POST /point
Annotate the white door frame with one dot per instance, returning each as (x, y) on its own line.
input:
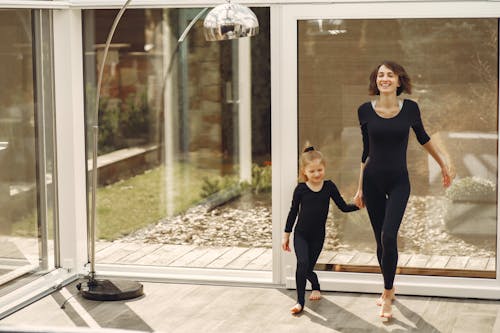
(286, 137)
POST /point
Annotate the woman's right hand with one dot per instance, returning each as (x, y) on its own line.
(358, 199)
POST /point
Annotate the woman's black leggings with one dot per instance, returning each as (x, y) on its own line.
(307, 252)
(385, 195)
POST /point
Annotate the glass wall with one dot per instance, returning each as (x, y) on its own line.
(26, 147)
(184, 167)
(453, 64)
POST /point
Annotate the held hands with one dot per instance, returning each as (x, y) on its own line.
(358, 199)
(285, 244)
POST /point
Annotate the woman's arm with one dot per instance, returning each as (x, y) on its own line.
(447, 170)
(285, 242)
(358, 197)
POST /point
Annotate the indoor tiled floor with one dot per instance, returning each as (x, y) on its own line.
(168, 307)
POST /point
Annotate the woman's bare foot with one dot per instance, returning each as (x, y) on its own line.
(387, 293)
(386, 309)
(296, 309)
(315, 295)
(386, 304)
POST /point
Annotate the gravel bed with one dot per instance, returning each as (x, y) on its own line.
(246, 222)
(243, 223)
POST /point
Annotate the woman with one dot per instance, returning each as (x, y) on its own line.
(384, 186)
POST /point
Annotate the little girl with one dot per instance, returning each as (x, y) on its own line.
(311, 201)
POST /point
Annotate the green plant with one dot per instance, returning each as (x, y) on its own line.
(135, 116)
(472, 189)
(209, 187)
(261, 182)
(261, 178)
(110, 137)
(213, 185)
(118, 119)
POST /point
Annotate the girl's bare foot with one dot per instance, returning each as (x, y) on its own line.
(296, 309)
(315, 295)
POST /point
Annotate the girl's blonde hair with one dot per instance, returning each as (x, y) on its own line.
(308, 155)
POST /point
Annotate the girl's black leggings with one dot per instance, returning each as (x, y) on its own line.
(385, 195)
(307, 251)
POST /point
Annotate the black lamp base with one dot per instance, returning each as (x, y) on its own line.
(110, 290)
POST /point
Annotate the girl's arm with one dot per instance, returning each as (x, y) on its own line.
(358, 197)
(447, 171)
(339, 201)
(294, 209)
(292, 216)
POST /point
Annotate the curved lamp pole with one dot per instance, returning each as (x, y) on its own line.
(223, 22)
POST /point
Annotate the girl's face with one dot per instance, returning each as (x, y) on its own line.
(315, 171)
(387, 80)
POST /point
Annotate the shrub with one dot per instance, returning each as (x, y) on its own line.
(110, 137)
(472, 189)
(135, 117)
(119, 121)
(261, 182)
(215, 185)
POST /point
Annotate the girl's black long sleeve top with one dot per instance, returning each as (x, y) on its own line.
(312, 208)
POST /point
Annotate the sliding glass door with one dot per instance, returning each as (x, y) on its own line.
(446, 234)
(452, 232)
(184, 144)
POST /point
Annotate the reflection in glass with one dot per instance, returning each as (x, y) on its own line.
(450, 232)
(26, 223)
(184, 151)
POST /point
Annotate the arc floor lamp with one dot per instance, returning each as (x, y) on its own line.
(224, 22)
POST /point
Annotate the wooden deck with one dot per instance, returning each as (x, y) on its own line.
(412, 264)
(16, 252)
(184, 256)
(261, 259)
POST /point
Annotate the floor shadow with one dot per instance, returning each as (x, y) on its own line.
(329, 314)
(118, 315)
(420, 325)
(333, 316)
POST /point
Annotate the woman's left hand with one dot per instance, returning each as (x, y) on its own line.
(448, 174)
(285, 243)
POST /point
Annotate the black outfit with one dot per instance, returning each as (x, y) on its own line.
(386, 187)
(312, 209)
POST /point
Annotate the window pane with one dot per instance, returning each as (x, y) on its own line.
(184, 155)
(453, 64)
(26, 149)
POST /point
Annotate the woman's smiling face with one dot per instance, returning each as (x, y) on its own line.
(387, 80)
